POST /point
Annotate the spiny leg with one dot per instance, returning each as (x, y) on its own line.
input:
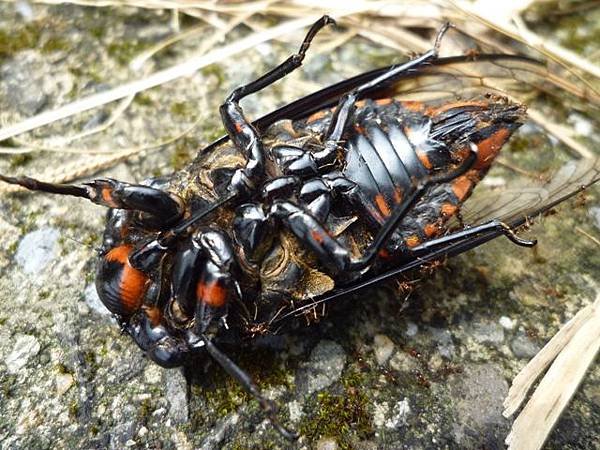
(302, 162)
(215, 287)
(249, 386)
(244, 136)
(161, 208)
(468, 232)
(425, 253)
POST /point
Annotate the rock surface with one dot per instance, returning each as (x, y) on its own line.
(376, 373)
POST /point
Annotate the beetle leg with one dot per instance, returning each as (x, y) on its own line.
(253, 232)
(187, 265)
(300, 162)
(244, 136)
(468, 232)
(155, 340)
(316, 194)
(159, 208)
(216, 285)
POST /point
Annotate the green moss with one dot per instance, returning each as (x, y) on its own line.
(92, 240)
(144, 99)
(12, 248)
(55, 44)
(212, 131)
(182, 109)
(184, 149)
(223, 399)
(62, 369)
(97, 31)
(125, 51)
(146, 408)
(8, 385)
(73, 410)
(19, 38)
(222, 395)
(82, 72)
(214, 70)
(20, 160)
(344, 417)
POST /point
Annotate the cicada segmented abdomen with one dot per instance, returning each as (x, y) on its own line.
(396, 146)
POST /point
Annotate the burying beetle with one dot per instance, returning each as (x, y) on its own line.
(330, 194)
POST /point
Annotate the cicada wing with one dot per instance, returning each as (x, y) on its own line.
(516, 77)
(446, 79)
(517, 205)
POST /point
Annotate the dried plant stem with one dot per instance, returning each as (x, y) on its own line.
(78, 169)
(588, 235)
(156, 79)
(575, 346)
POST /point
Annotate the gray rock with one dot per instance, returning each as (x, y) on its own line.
(399, 415)
(403, 362)
(25, 348)
(63, 383)
(444, 339)
(478, 394)
(176, 392)
(93, 301)
(323, 368)
(327, 443)
(295, 411)
(595, 213)
(487, 332)
(383, 347)
(29, 82)
(37, 249)
(411, 329)
(523, 347)
(220, 432)
(507, 323)
(121, 433)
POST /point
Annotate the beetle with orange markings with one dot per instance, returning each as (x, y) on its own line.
(338, 191)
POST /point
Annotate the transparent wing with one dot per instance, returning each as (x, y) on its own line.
(516, 77)
(518, 204)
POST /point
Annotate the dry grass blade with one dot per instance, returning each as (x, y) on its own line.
(530, 373)
(588, 235)
(156, 79)
(95, 163)
(580, 344)
(561, 132)
(517, 31)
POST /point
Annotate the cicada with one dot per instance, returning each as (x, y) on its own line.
(343, 189)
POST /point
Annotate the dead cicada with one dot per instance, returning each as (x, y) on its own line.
(335, 192)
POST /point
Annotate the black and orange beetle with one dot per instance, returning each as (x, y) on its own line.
(335, 192)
